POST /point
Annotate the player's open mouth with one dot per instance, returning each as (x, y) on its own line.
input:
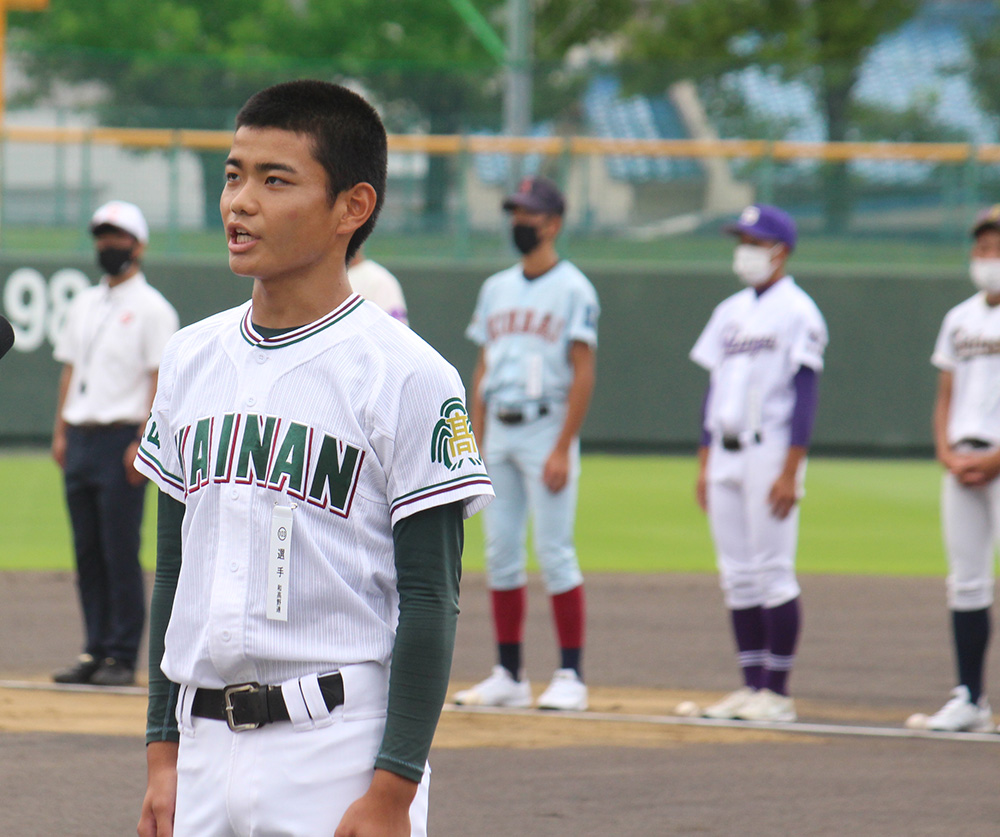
(240, 239)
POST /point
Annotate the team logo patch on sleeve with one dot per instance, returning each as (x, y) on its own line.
(452, 442)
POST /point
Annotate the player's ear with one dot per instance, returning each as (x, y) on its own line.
(357, 205)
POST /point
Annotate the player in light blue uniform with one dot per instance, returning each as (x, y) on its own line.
(536, 326)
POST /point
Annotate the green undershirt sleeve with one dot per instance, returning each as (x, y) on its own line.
(428, 547)
(161, 724)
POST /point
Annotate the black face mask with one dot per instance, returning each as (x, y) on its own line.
(526, 238)
(115, 260)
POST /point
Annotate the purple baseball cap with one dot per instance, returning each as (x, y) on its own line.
(536, 194)
(768, 222)
(986, 219)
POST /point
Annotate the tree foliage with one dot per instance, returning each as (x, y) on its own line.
(821, 42)
(191, 63)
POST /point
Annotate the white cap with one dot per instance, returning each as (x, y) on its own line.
(123, 215)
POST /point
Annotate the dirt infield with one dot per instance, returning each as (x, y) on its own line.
(873, 651)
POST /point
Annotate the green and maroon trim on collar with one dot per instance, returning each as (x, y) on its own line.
(296, 335)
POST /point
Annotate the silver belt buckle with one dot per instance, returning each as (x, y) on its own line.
(228, 692)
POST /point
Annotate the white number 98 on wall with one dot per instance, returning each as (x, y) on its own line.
(36, 308)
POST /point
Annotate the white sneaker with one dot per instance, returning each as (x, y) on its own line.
(499, 689)
(960, 714)
(766, 705)
(566, 691)
(730, 706)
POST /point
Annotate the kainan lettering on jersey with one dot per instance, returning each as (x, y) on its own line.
(734, 343)
(974, 345)
(524, 321)
(271, 453)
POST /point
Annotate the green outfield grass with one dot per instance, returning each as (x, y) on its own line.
(637, 514)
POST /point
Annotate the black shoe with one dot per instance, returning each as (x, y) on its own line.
(111, 672)
(80, 672)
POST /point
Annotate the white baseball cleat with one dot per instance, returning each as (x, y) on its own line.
(729, 707)
(566, 691)
(499, 689)
(960, 714)
(766, 705)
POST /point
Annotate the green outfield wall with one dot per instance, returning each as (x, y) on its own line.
(876, 393)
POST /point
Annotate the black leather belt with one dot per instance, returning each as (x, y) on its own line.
(250, 705)
(978, 444)
(518, 416)
(733, 443)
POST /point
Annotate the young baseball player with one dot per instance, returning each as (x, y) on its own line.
(536, 326)
(763, 348)
(376, 284)
(967, 441)
(315, 463)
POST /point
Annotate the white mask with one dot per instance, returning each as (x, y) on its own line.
(752, 264)
(985, 274)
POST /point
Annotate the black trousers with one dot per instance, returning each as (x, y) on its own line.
(106, 516)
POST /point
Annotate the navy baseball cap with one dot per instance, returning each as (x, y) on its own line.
(536, 194)
(986, 219)
(768, 222)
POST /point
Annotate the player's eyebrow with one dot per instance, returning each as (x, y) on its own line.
(260, 168)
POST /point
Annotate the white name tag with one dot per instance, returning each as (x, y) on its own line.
(278, 564)
(533, 383)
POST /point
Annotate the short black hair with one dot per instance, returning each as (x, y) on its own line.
(347, 135)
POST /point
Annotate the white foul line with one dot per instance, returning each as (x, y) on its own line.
(797, 726)
(44, 686)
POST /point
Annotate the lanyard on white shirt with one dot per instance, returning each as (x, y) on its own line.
(88, 352)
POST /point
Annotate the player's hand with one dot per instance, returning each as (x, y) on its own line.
(701, 491)
(132, 476)
(384, 810)
(783, 496)
(59, 448)
(978, 470)
(556, 472)
(157, 816)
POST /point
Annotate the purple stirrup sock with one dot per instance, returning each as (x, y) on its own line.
(781, 626)
(748, 628)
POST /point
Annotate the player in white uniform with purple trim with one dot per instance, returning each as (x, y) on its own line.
(376, 284)
(536, 326)
(763, 348)
(315, 463)
(967, 441)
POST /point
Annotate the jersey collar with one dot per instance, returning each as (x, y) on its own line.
(296, 335)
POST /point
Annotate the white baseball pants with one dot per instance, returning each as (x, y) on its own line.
(515, 458)
(970, 524)
(287, 779)
(755, 551)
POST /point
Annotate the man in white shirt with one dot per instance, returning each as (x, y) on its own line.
(110, 349)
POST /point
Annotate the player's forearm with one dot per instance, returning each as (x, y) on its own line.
(161, 724)
(942, 408)
(793, 460)
(578, 398)
(478, 403)
(428, 547)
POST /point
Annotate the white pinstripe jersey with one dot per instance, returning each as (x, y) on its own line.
(753, 346)
(968, 346)
(354, 422)
(526, 327)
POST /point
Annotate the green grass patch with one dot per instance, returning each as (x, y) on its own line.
(636, 514)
